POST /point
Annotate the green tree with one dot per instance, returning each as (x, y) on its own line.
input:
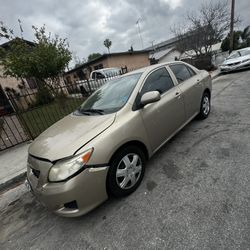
(225, 45)
(93, 56)
(245, 36)
(107, 43)
(45, 59)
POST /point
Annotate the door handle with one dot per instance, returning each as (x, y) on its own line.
(198, 81)
(177, 95)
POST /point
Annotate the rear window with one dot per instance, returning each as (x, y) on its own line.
(181, 72)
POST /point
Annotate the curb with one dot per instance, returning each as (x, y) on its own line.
(215, 76)
(217, 73)
(12, 182)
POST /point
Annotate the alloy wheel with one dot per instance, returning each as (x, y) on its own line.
(128, 171)
(206, 105)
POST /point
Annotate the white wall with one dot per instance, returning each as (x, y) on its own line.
(170, 56)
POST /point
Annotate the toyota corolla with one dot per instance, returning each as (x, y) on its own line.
(101, 149)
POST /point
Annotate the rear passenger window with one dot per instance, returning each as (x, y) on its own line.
(159, 80)
(191, 71)
(182, 72)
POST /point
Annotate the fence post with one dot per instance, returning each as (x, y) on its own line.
(90, 90)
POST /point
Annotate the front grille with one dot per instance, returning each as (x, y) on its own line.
(36, 172)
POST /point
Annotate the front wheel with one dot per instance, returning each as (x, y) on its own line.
(126, 171)
(205, 106)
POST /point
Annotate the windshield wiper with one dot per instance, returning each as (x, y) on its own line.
(97, 111)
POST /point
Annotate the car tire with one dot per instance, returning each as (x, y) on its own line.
(126, 171)
(205, 106)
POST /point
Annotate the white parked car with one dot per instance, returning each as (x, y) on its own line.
(97, 79)
(104, 73)
(238, 59)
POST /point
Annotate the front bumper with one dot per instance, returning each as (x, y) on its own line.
(228, 68)
(71, 198)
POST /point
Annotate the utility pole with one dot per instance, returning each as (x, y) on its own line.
(139, 31)
(152, 43)
(232, 27)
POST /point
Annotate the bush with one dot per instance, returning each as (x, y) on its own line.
(43, 96)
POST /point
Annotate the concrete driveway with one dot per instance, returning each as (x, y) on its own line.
(195, 194)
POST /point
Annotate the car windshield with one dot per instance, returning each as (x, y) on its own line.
(234, 55)
(110, 97)
(245, 52)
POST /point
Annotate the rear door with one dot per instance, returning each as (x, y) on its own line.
(162, 118)
(190, 84)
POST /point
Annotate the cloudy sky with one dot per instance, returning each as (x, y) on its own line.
(86, 23)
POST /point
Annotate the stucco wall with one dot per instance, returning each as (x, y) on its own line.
(132, 61)
(9, 82)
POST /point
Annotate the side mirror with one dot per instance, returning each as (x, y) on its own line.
(150, 97)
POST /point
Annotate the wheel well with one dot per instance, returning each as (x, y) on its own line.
(208, 92)
(134, 143)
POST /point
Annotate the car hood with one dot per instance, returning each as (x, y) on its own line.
(235, 60)
(66, 136)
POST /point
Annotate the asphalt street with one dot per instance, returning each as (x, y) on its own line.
(195, 194)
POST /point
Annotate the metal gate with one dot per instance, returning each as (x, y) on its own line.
(11, 130)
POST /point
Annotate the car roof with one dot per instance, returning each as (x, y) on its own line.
(247, 48)
(151, 67)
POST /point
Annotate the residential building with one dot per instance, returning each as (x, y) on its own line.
(130, 60)
(164, 52)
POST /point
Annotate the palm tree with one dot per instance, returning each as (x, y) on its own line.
(107, 43)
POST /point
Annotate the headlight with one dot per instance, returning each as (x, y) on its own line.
(63, 169)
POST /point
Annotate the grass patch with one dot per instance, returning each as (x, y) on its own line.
(40, 118)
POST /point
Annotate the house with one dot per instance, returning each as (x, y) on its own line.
(130, 60)
(164, 52)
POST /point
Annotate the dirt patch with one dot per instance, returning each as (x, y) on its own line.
(151, 185)
(171, 170)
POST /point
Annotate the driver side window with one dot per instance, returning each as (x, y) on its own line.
(159, 80)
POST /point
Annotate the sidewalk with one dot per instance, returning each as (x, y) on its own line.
(214, 73)
(13, 162)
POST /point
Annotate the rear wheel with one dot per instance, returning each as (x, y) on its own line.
(205, 106)
(126, 171)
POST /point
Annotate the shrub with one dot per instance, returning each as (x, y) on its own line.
(43, 96)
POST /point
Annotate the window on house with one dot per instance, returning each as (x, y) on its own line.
(68, 79)
(80, 74)
(99, 66)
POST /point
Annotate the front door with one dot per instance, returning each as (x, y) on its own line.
(162, 118)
